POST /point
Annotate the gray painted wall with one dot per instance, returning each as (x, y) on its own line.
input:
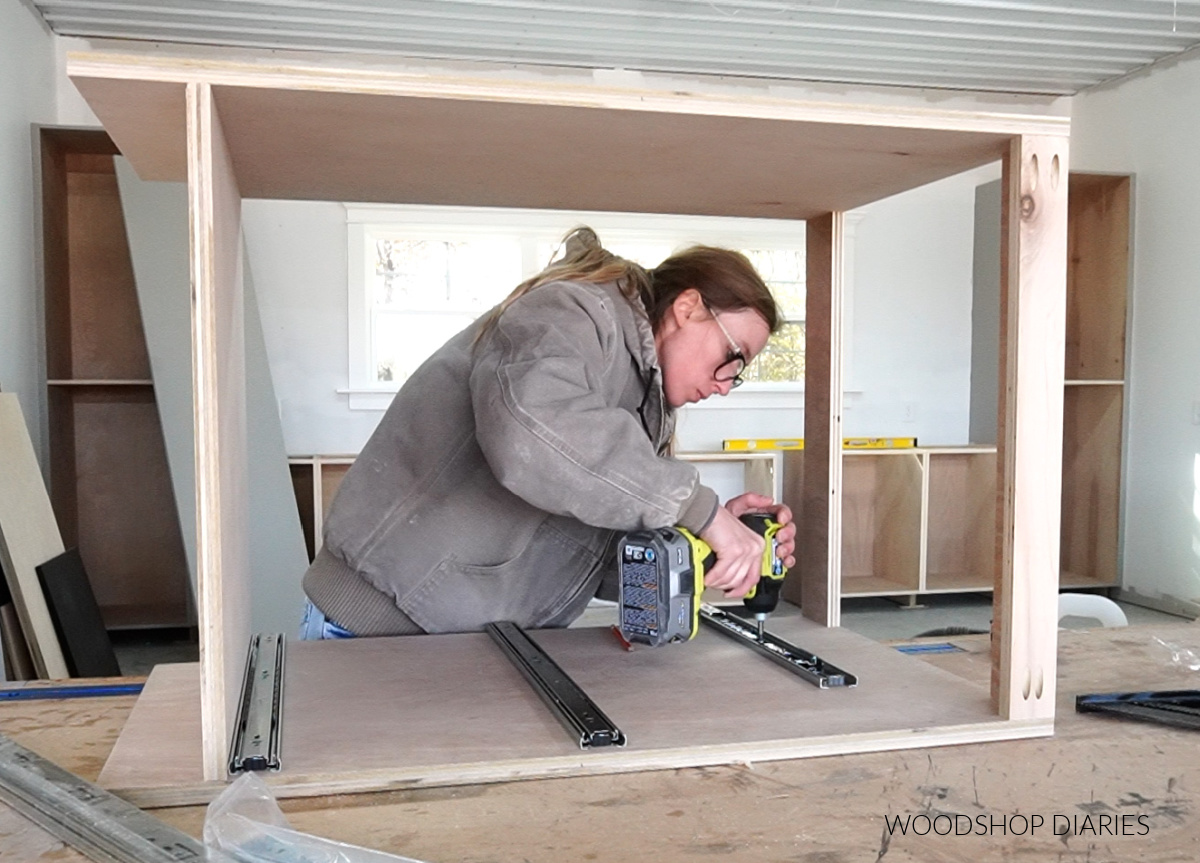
(156, 225)
(156, 218)
(27, 75)
(1148, 125)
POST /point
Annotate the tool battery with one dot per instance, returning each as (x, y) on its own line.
(661, 579)
(660, 582)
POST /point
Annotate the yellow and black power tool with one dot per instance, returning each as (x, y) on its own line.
(661, 577)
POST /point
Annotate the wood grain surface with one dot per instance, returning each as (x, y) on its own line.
(815, 810)
(372, 714)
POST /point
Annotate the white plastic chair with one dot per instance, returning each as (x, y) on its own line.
(1091, 605)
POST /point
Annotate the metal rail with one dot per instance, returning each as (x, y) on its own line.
(85, 816)
(795, 659)
(566, 700)
(258, 730)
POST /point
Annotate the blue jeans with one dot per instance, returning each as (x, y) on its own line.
(315, 626)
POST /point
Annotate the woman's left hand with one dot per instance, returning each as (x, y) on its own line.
(786, 537)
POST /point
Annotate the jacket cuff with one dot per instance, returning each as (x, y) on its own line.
(699, 510)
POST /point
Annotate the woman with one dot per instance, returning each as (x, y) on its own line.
(510, 462)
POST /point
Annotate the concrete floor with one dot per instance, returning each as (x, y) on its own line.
(888, 620)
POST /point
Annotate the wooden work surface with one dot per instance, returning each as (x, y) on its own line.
(818, 810)
(379, 714)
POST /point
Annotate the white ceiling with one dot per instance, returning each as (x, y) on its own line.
(1018, 46)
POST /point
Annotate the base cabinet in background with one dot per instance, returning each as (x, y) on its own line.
(316, 478)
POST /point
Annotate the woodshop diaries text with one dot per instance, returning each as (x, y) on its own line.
(944, 824)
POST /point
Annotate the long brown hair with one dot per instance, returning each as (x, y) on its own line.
(725, 279)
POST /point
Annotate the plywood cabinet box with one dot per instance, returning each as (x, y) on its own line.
(316, 479)
(251, 127)
(913, 521)
(1097, 292)
(109, 479)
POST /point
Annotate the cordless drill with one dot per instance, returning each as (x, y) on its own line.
(661, 577)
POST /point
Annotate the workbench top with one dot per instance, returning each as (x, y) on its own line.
(1096, 774)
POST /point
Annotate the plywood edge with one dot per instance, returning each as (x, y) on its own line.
(218, 386)
(374, 81)
(611, 762)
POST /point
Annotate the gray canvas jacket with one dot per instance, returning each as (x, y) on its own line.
(501, 475)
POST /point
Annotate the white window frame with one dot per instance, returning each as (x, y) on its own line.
(363, 221)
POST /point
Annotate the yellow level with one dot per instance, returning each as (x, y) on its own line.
(772, 443)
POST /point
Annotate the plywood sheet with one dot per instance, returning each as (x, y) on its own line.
(425, 138)
(450, 709)
(219, 389)
(1029, 453)
(292, 144)
(28, 536)
(1091, 495)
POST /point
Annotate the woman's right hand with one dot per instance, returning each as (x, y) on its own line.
(739, 552)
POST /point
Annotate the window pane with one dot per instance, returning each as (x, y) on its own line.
(784, 272)
(782, 360)
(403, 340)
(461, 274)
(424, 291)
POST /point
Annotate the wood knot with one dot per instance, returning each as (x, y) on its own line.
(1027, 206)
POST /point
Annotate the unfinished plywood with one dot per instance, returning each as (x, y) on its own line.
(1093, 409)
(312, 133)
(1091, 495)
(1029, 486)
(520, 142)
(219, 384)
(881, 522)
(109, 479)
(447, 710)
(105, 322)
(28, 537)
(960, 530)
(126, 527)
(315, 482)
(819, 534)
(1097, 277)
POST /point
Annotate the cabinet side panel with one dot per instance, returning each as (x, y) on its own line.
(218, 343)
(1033, 296)
(820, 567)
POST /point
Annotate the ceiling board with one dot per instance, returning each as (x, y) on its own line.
(1053, 47)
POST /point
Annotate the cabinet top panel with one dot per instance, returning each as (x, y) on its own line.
(394, 136)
